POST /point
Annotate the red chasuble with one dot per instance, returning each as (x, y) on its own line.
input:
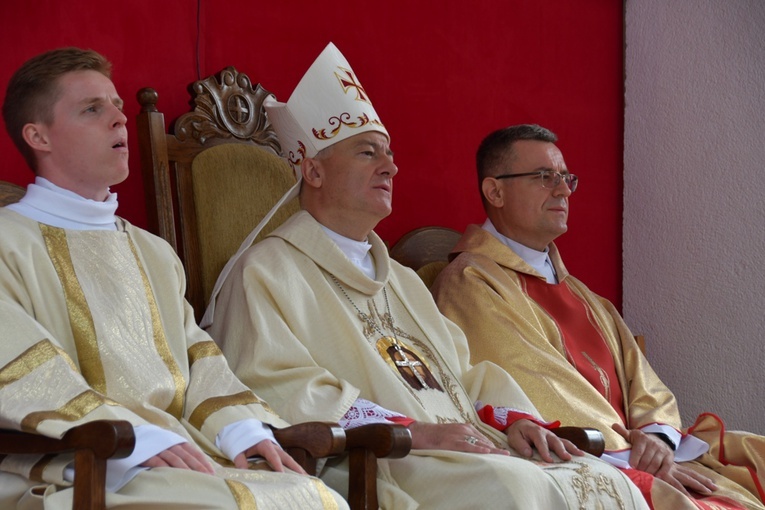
(583, 341)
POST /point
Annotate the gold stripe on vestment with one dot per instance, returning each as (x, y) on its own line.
(203, 350)
(30, 360)
(36, 473)
(160, 341)
(73, 410)
(242, 495)
(211, 405)
(80, 318)
(327, 500)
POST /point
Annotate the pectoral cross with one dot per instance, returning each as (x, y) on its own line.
(411, 364)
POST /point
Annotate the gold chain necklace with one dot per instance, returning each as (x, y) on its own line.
(406, 361)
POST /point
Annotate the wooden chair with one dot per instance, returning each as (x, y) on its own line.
(208, 183)
(93, 444)
(426, 250)
(10, 193)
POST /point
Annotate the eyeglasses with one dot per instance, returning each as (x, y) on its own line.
(550, 179)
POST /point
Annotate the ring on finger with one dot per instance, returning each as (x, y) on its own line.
(471, 440)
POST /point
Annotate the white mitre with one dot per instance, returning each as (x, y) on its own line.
(327, 106)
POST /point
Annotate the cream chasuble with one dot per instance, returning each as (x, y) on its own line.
(308, 331)
(94, 326)
(486, 290)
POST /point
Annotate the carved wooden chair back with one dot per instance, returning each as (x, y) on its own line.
(426, 250)
(211, 180)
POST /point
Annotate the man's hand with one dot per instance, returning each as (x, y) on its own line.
(181, 456)
(654, 456)
(460, 437)
(525, 434)
(649, 453)
(277, 458)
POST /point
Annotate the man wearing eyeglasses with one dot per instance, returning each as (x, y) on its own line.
(569, 349)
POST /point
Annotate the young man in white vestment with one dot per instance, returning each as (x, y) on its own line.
(508, 290)
(94, 324)
(318, 318)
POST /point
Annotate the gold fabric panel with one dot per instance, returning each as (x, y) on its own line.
(203, 350)
(242, 495)
(81, 320)
(327, 500)
(73, 410)
(28, 361)
(160, 341)
(36, 473)
(210, 406)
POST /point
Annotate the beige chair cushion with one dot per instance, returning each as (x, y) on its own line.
(248, 177)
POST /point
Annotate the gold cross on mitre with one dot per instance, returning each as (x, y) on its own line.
(348, 81)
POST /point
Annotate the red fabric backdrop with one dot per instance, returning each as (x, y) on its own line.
(440, 74)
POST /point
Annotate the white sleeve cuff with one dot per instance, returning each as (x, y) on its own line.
(237, 437)
(149, 441)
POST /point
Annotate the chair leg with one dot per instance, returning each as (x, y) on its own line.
(89, 481)
(362, 483)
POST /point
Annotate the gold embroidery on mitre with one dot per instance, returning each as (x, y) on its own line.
(160, 340)
(292, 157)
(80, 317)
(344, 119)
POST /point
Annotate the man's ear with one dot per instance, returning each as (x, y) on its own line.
(36, 136)
(312, 171)
(493, 192)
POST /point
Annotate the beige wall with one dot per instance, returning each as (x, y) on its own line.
(694, 200)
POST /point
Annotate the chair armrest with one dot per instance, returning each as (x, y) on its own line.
(365, 445)
(92, 443)
(105, 438)
(382, 440)
(586, 439)
(309, 441)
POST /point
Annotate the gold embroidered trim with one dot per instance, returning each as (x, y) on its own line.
(604, 380)
(242, 495)
(202, 350)
(73, 410)
(80, 318)
(589, 486)
(36, 473)
(160, 341)
(29, 360)
(344, 119)
(212, 405)
(327, 500)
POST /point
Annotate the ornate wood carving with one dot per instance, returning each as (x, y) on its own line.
(227, 106)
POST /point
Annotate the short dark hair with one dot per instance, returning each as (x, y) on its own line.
(496, 150)
(33, 90)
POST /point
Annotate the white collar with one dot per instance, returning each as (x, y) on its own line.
(52, 205)
(356, 251)
(539, 260)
